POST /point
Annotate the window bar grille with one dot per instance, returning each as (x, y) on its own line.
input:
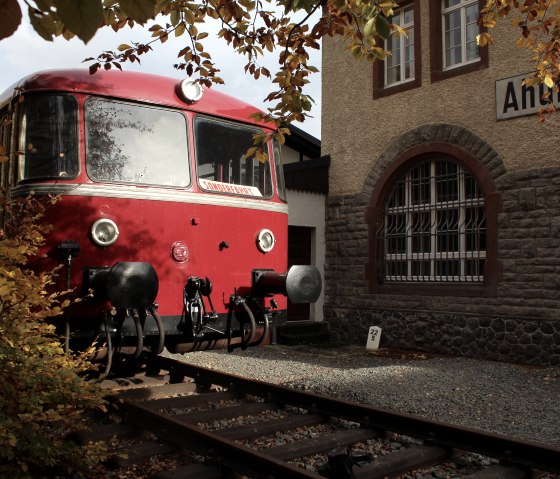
(434, 226)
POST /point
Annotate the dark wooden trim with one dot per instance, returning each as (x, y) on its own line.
(374, 219)
(437, 73)
(379, 89)
(309, 175)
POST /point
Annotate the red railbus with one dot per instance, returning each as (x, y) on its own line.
(179, 237)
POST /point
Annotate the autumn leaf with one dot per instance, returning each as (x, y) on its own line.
(138, 10)
(10, 13)
(82, 18)
(43, 25)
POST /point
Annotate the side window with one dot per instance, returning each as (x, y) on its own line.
(453, 46)
(399, 66)
(434, 225)
(135, 144)
(223, 167)
(48, 137)
(460, 29)
(402, 70)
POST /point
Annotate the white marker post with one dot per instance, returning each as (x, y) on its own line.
(374, 336)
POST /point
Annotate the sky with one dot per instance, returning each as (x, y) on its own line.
(25, 52)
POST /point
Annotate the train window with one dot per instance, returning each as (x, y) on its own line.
(135, 144)
(222, 165)
(48, 139)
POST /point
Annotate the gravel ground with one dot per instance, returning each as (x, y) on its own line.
(496, 397)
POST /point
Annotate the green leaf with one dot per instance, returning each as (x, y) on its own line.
(370, 30)
(175, 17)
(139, 10)
(10, 13)
(81, 17)
(382, 26)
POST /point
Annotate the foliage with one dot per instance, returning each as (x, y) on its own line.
(43, 393)
(539, 25)
(250, 27)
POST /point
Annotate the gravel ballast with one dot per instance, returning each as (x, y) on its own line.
(502, 398)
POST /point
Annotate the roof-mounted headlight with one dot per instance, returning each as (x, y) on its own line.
(190, 91)
(104, 232)
(265, 241)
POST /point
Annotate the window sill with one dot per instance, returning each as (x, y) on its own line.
(438, 289)
(396, 88)
(450, 72)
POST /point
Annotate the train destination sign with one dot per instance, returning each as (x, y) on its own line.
(514, 99)
(229, 188)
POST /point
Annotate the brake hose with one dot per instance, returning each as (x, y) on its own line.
(253, 331)
(139, 334)
(161, 331)
(109, 352)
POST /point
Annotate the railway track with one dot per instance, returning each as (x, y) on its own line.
(231, 427)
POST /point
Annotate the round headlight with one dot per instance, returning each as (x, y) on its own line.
(265, 241)
(190, 91)
(104, 232)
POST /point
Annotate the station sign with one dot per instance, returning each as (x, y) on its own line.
(514, 99)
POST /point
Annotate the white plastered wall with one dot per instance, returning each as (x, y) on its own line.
(308, 209)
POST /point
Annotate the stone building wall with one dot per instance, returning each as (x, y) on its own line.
(520, 322)
(519, 319)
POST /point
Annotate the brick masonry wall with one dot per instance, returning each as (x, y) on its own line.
(521, 323)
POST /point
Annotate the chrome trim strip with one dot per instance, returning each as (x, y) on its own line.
(147, 193)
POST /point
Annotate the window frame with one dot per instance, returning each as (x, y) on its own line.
(380, 89)
(401, 39)
(439, 71)
(6, 139)
(279, 171)
(375, 216)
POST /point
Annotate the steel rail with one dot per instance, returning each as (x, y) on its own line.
(240, 457)
(526, 453)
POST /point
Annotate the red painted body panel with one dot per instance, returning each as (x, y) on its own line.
(148, 229)
(151, 219)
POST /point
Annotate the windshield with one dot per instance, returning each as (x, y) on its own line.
(48, 141)
(136, 144)
(222, 165)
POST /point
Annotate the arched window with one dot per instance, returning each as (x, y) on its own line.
(434, 225)
(432, 221)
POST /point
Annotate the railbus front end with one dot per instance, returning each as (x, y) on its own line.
(172, 234)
